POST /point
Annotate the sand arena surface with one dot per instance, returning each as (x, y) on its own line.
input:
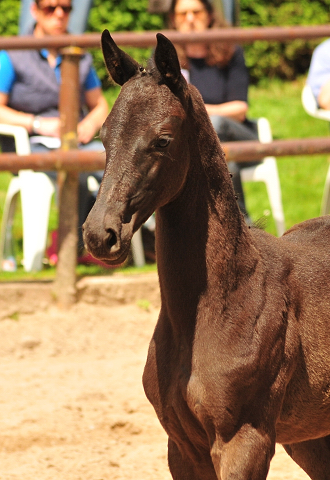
(71, 397)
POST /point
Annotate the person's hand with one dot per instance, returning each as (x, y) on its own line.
(49, 127)
(86, 131)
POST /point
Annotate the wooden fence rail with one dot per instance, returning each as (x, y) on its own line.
(70, 161)
(78, 160)
(148, 39)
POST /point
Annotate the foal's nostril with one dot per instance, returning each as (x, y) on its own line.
(112, 239)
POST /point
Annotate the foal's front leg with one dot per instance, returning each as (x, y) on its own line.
(246, 456)
(313, 456)
(183, 468)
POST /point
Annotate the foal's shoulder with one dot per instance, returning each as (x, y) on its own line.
(301, 254)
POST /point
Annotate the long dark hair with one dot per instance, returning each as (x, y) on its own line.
(219, 53)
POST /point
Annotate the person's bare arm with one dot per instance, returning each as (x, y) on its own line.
(13, 117)
(51, 126)
(98, 111)
(236, 110)
(324, 96)
(48, 126)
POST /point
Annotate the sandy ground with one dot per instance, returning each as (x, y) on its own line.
(71, 398)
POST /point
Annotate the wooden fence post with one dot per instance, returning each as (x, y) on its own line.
(69, 106)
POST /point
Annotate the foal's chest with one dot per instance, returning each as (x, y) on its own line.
(182, 400)
(166, 379)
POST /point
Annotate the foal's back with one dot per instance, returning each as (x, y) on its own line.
(315, 231)
(307, 244)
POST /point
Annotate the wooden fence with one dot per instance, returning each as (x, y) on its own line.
(69, 161)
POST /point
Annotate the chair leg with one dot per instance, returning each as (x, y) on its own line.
(271, 178)
(137, 249)
(35, 186)
(275, 198)
(325, 206)
(8, 214)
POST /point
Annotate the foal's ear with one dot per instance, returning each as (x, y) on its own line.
(119, 64)
(167, 62)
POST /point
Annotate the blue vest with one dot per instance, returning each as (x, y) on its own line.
(36, 89)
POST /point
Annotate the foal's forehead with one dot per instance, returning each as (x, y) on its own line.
(144, 98)
(147, 88)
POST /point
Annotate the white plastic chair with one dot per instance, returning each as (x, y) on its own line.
(137, 249)
(311, 107)
(36, 190)
(267, 172)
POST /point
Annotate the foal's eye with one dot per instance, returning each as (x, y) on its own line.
(162, 142)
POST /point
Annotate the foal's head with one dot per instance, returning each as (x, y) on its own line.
(146, 148)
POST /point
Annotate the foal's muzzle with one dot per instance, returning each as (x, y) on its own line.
(109, 240)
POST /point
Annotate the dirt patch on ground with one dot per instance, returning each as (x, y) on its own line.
(71, 398)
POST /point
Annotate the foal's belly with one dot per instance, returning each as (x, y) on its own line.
(303, 418)
(287, 433)
(305, 412)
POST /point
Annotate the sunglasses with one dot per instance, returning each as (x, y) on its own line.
(50, 10)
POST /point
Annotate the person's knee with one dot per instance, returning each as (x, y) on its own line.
(219, 125)
(233, 168)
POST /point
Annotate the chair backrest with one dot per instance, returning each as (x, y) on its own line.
(264, 130)
(310, 105)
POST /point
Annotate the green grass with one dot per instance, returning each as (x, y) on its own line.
(48, 273)
(302, 177)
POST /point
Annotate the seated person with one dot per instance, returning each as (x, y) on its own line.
(319, 74)
(218, 71)
(78, 18)
(29, 94)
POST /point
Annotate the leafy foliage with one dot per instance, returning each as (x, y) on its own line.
(9, 14)
(276, 59)
(286, 60)
(122, 15)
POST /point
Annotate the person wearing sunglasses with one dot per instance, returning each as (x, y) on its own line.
(29, 94)
(78, 17)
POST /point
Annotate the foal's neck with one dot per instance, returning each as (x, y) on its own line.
(202, 239)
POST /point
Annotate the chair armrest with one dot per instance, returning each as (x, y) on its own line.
(310, 105)
(21, 137)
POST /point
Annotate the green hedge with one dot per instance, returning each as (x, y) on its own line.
(9, 13)
(274, 59)
(121, 16)
(265, 60)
